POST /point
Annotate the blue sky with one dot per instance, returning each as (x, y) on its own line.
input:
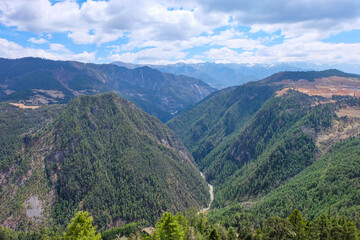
(191, 31)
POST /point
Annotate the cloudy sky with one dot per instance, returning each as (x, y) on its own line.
(169, 31)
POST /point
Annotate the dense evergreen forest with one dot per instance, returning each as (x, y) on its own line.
(292, 151)
(283, 166)
(100, 153)
(193, 225)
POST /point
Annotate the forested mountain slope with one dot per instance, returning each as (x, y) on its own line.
(219, 116)
(279, 128)
(331, 184)
(39, 81)
(102, 154)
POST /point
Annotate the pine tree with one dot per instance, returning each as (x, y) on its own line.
(278, 228)
(299, 224)
(320, 228)
(202, 223)
(214, 235)
(81, 228)
(168, 228)
(231, 234)
(179, 217)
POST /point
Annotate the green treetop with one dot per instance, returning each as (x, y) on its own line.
(81, 228)
(168, 228)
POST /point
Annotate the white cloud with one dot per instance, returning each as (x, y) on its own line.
(10, 49)
(108, 20)
(83, 57)
(224, 55)
(234, 39)
(56, 47)
(167, 30)
(293, 50)
(229, 38)
(317, 19)
(284, 11)
(151, 55)
(83, 37)
(38, 41)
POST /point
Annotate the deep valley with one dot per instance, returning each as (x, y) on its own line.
(285, 146)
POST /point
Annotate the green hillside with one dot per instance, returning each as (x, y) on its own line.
(282, 150)
(330, 184)
(267, 157)
(265, 150)
(105, 155)
(218, 117)
(14, 122)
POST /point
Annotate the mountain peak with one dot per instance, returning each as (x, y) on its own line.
(103, 152)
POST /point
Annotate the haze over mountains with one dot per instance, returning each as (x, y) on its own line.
(220, 75)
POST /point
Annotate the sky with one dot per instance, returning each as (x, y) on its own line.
(190, 31)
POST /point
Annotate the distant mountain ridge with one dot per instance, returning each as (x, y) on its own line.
(39, 81)
(306, 75)
(220, 75)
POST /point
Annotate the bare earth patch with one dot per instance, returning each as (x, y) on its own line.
(33, 208)
(341, 129)
(325, 87)
(51, 93)
(40, 99)
(282, 91)
(20, 105)
(148, 230)
(351, 112)
(247, 204)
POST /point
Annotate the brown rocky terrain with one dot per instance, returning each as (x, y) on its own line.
(325, 87)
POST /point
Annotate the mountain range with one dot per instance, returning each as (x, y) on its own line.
(39, 81)
(288, 141)
(220, 75)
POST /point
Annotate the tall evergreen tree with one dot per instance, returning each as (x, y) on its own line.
(214, 235)
(278, 228)
(320, 227)
(299, 224)
(231, 234)
(81, 228)
(168, 228)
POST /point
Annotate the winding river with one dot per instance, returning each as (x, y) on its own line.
(211, 191)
